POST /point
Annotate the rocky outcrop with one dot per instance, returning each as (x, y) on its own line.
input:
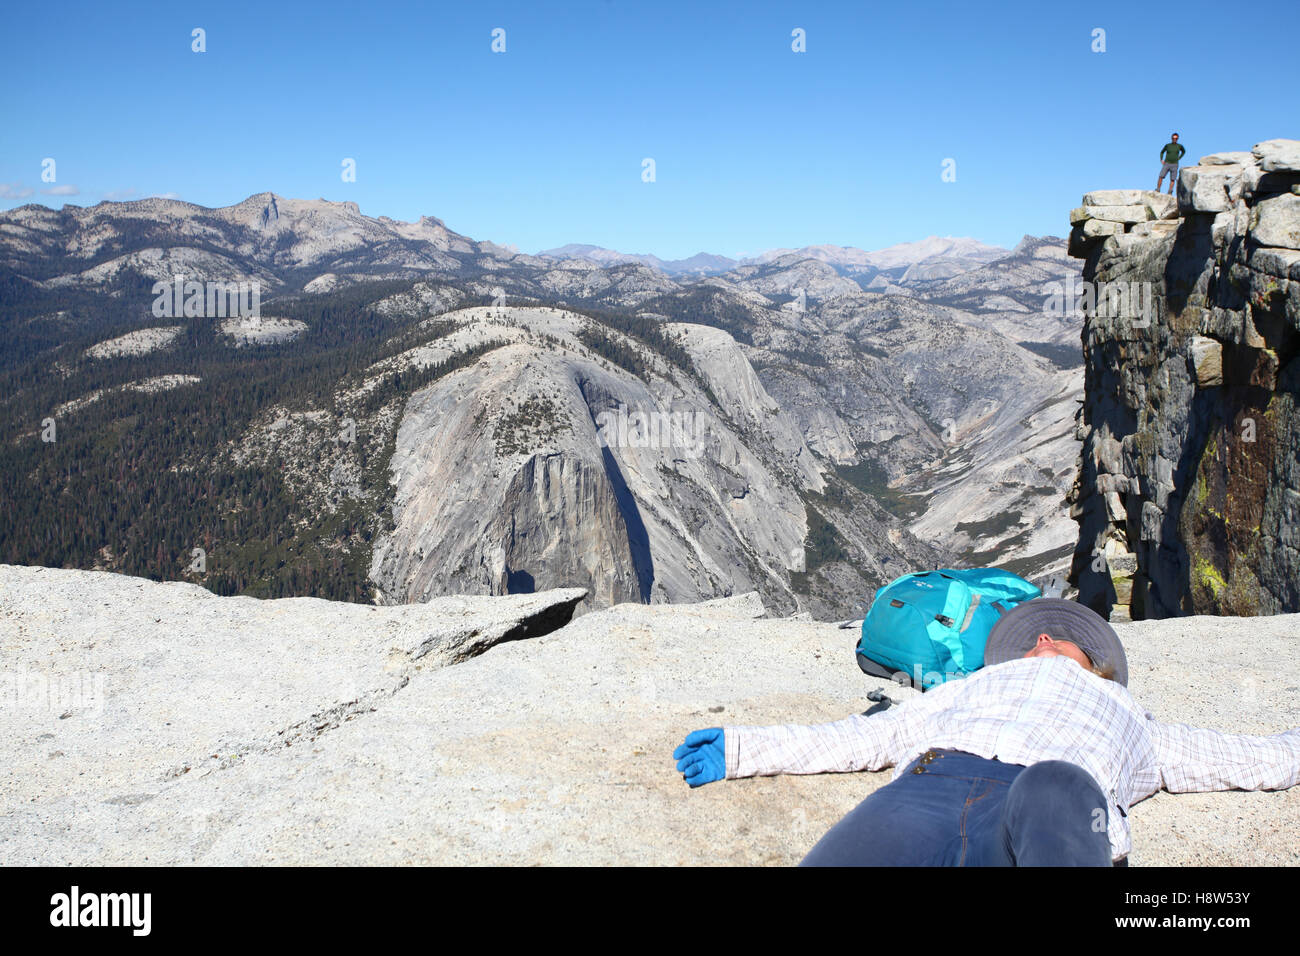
(139, 342)
(1188, 492)
(543, 465)
(243, 332)
(156, 724)
(501, 487)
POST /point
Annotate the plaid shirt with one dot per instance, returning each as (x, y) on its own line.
(1021, 712)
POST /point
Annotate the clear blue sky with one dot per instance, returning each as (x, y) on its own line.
(755, 146)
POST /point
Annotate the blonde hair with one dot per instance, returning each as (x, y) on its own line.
(1105, 670)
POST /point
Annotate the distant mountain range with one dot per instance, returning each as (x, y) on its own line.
(702, 263)
(933, 255)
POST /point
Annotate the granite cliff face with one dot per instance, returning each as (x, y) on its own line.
(1188, 492)
(543, 465)
(951, 400)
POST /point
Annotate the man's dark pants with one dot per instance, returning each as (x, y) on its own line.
(957, 809)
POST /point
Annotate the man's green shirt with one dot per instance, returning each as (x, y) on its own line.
(1172, 152)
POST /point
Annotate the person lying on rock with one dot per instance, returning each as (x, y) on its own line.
(1033, 760)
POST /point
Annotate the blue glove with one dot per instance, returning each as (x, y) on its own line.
(702, 759)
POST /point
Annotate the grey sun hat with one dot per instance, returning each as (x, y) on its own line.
(1016, 632)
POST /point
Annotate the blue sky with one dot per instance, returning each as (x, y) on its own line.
(755, 146)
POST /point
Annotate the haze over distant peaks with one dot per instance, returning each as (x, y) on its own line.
(963, 251)
(700, 263)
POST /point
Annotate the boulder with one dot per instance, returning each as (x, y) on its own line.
(1107, 483)
(1100, 227)
(1256, 182)
(1109, 454)
(1162, 206)
(1207, 360)
(1230, 158)
(1205, 188)
(1278, 155)
(1223, 324)
(1283, 263)
(1276, 222)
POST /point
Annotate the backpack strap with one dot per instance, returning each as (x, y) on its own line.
(970, 611)
(881, 702)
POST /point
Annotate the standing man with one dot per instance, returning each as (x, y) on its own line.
(1169, 157)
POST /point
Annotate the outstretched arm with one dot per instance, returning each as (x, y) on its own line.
(1193, 759)
(855, 743)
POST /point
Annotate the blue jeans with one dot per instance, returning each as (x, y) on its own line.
(951, 808)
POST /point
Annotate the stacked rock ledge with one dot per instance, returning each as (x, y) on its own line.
(1188, 490)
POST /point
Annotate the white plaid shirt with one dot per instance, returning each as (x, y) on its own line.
(1021, 712)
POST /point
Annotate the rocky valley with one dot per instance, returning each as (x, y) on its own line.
(411, 413)
(408, 413)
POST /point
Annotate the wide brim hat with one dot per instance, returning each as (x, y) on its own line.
(1016, 633)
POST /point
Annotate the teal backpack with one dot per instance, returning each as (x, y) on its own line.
(930, 627)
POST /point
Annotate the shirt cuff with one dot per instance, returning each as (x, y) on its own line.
(731, 750)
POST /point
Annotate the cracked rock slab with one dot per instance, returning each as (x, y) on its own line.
(115, 686)
(557, 750)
